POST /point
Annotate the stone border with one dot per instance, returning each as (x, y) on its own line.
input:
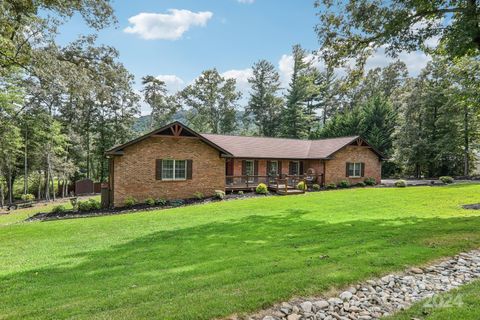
(381, 297)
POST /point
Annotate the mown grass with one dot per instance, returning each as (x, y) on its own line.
(217, 259)
(462, 303)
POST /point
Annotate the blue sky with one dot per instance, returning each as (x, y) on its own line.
(177, 40)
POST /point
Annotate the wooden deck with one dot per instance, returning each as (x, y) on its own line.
(285, 185)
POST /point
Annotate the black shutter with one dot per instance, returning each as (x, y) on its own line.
(301, 168)
(279, 167)
(290, 167)
(362, 170)
(346, 170)
(244, 168)
(189, 169)
(267, 169)
(255, 168)
(158, 169)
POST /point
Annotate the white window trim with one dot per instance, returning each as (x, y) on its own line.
(297, 163)
(250, 176)
(276, 168)
(174, 166)
(354, 167)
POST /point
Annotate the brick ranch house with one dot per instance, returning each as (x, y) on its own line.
(174, 162)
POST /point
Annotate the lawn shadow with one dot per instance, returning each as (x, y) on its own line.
(217, 269)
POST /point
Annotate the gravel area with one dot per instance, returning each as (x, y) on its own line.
(381, 297)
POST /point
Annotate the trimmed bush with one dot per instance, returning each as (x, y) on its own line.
(219, 194)
(130, 201)
(400, 183)
(95, 204)
(316, 187)
(370, 181)
(28, 197)
(198, 195)
(344, 184)
(59, 209)
(361, 184)
(446, 179)
(331, 186)
(160, 202)
(176, 203)
(84, 206)
(302, 186)
(150, 202)
(240, 192)
(261, 188)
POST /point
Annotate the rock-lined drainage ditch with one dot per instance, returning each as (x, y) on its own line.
(378, 298)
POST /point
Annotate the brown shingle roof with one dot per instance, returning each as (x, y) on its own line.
(275, 148)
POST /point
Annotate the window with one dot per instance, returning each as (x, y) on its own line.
(355, 169)
(174, 169)
(294, 168)
(250, 169)
(273, 168)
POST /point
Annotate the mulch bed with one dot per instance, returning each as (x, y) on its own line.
(141, 207)
(475, 206)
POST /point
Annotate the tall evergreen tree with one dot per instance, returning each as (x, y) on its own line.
(264, 103)
(162, 104)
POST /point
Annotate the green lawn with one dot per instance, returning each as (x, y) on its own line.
(462, 303)
(213, 260)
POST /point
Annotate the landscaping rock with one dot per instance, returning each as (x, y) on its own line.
(382, 297)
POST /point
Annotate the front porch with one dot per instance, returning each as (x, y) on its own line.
(280, 184)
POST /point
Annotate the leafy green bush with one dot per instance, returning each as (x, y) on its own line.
(400, 183)
(59, 209)
(129, 201)
(261, 188)
(446, 179)
(361, 184)
(28, 197)
(150, 202)
(315, 187)
(240, 192)
(370, 181)
(160, 202)
(198, 195)
(176, 203)
(219, 194)
(302, 186)
(344, 184)
(74, 203)
(84, 206)
(331, 186)
(95, 204)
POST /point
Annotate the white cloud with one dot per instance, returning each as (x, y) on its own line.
(169, 26)
(246, 1)
(172, 82)
(415, 61)
(241, 76)
(285, 66)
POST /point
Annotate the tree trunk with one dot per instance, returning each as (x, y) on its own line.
(466, 151)
(25, 164)
(10, 187)
(39, 191)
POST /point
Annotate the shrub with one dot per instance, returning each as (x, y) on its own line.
(331, 186)
(160, 202)
(261, 188)
(177, 203)
(316, 187)
(74, 203)
(240, 192)
(130, 201)
(344, 184)
(400, 183)
(28, 197)
(302, 186)
(446, 179)
(219, 194)
(84, 206)
(370, 181)
(150, 202)
(198, 195)
(94, 204)
(361, 184)
(59, 209)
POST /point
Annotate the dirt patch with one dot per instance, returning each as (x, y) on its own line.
(475, 206)
(70, 214)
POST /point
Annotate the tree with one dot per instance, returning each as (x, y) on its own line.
(350, 29)
(296, 118)
(264, 104)
(163, 106)
(212, 103)
(327, 98)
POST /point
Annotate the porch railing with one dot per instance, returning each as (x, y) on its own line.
(272, 181)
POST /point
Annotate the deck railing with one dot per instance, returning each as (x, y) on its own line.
(246, 182)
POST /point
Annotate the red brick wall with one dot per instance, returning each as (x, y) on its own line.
(135, 170)
(335, 168)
